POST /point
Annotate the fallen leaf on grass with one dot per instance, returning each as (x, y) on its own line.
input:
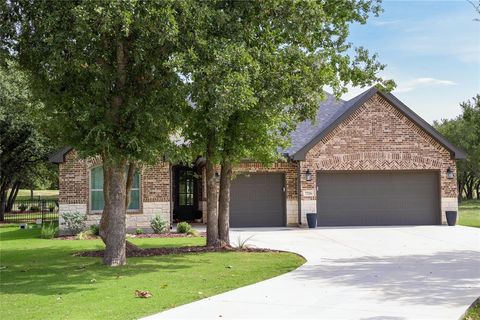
(163, 286)
(142, 294)
(93, 280)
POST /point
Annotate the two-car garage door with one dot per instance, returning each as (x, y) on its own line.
(365, 198)
(354, 198)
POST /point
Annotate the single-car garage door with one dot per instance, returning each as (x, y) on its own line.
(378, 198)
(257, 200)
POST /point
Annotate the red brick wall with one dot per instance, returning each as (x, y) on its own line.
(74, 180)
(378, 137)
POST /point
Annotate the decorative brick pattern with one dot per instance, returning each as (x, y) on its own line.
(377, 137)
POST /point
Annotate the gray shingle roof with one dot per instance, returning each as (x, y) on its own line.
(328, 111)
(331, 112)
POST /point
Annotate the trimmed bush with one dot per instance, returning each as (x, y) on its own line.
(75, 221)
(22, 207)
(158, 224)
(183, 227)
(139, 231)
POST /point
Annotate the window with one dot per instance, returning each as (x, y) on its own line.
(186, 182)
(96, 190)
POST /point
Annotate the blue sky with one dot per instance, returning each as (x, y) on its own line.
(432, 51)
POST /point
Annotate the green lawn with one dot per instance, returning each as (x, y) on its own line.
(40, 279)
(24, 194)
(470, 213)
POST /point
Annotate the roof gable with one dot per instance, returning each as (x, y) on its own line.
(348, 107)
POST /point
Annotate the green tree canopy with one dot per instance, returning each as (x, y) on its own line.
(257, 68)
(464, 131)
(105, 73)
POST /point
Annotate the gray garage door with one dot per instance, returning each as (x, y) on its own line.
(377, 198)
(257, 201)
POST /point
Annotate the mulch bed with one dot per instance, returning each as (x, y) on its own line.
(143, 235)
(150, 252)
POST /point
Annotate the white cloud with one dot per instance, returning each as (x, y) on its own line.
(382, 23)
(422, 83)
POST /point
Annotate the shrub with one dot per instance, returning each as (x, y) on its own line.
(183, 227)
(49, 230)
(35, 208)
(139, 231)
(158, 224)
(75, 221)
(84, 235)
(22, 207)
(95, 229)
(51, 208)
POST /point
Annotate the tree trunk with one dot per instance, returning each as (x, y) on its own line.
(477, 188)
(212, 213)
(3, 197)
(224, 203)
(31, 193)
(113, 220)
(12, 197)
(469, 188)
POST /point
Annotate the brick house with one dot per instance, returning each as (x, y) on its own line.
(367, 161)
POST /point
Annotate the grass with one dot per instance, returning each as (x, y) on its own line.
(470, 213)
(40, 279)
(24, 194)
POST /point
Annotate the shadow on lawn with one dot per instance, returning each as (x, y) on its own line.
(62, 273)
(449, 277)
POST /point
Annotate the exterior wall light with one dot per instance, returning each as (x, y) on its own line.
(449, 173)
(308, 175)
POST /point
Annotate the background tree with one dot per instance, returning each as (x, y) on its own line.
(23, 148)
(104, 72)
(257, 68)
(464, 131)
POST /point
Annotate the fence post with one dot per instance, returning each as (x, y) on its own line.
(43, 210)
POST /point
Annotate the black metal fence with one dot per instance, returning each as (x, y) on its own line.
(32, 210)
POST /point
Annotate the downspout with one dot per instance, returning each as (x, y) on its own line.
(299, 193)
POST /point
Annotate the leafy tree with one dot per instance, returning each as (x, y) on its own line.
(257, 68)
(105, 72)
(23, 149)
(464, 131)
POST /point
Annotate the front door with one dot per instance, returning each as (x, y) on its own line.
(185, 194)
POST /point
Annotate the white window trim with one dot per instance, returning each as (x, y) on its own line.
(90, 189)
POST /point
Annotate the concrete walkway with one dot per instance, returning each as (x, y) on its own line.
(425, 272)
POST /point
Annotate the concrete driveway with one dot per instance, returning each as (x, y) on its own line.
(424, 272)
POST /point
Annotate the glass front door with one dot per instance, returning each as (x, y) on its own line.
(185, 194)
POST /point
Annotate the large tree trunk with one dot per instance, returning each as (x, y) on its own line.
(212, 213)
(113, 222)
(224, 203)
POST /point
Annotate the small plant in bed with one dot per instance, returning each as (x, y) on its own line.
(184, 227)
(139, 231)
(49, 230)
(95, 229)
(75, 221)
(22, 207)
(158, 224)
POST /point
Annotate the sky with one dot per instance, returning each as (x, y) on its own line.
(432, 51)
